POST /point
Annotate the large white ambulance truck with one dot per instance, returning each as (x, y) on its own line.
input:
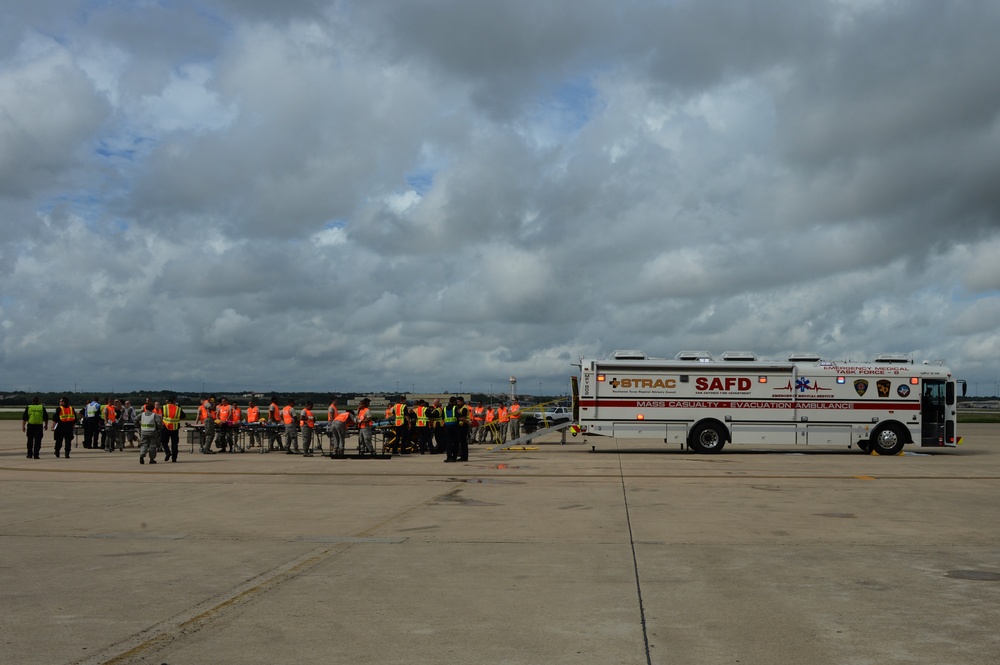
(700, 402)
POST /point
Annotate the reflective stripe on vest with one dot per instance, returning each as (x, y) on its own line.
(400, 411)
(421, 412)
(288, 415)
(449, 415)
(67, 414)
(171, 416)
(147, 421)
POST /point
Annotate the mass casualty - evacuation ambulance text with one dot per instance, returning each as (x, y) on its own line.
(700, 402)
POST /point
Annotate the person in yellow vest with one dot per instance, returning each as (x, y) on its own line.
(423, 427)
(307, 422)
(397, 415)
(288, 417)
(63, 422)
(515, 419)
(171, 432)
(33, 421)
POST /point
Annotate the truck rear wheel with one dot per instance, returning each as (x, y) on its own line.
(888, 440)
(707, 438)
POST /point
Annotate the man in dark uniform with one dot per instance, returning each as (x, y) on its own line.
(63, 422)
(91, 423)
(463, 430)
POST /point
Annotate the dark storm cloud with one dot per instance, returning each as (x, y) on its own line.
(355, 195)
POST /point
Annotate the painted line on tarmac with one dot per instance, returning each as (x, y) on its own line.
(159, 636)
(721, 475)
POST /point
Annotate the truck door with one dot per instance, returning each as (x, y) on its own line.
(932, 412)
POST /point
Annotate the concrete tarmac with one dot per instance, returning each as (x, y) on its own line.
(627, 553)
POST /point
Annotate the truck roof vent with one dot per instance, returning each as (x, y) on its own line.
(629, 355)
(894, 358)
(804, 358)
(732, 356)
(700, 356)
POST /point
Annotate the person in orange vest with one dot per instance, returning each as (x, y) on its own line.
(423, 427)
(397, 414)
(170, 435)
(63, 422)
(253, 418)
(503, 419)
(110, 425)
(491, 427)
(288, 417)
(478, 422)
(307, 421)
(223, 416)
(206, 417)
(364, 421)
(337, 429)
(515, 419)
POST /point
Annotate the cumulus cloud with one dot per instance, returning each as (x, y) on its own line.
(418, 194)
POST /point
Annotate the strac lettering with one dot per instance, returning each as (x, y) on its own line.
(647, 383)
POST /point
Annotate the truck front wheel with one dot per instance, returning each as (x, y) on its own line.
(707, 438)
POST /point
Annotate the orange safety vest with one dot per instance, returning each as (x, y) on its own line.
(308, 419)
(224, 412)
(489, 415)
(421, 412)
(478, 414)
(342, 417)
(273, 412)
(110, 414)
(286, 415)
(515, 411)
(364, 421)
(235, 417)
(331, 413)
(400, 412)
(502, 414)
(171, 416)
(253, 414)
(67, 414)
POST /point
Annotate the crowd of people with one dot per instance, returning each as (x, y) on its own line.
(421, 428)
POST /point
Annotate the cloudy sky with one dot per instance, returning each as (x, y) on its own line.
(440, 194)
